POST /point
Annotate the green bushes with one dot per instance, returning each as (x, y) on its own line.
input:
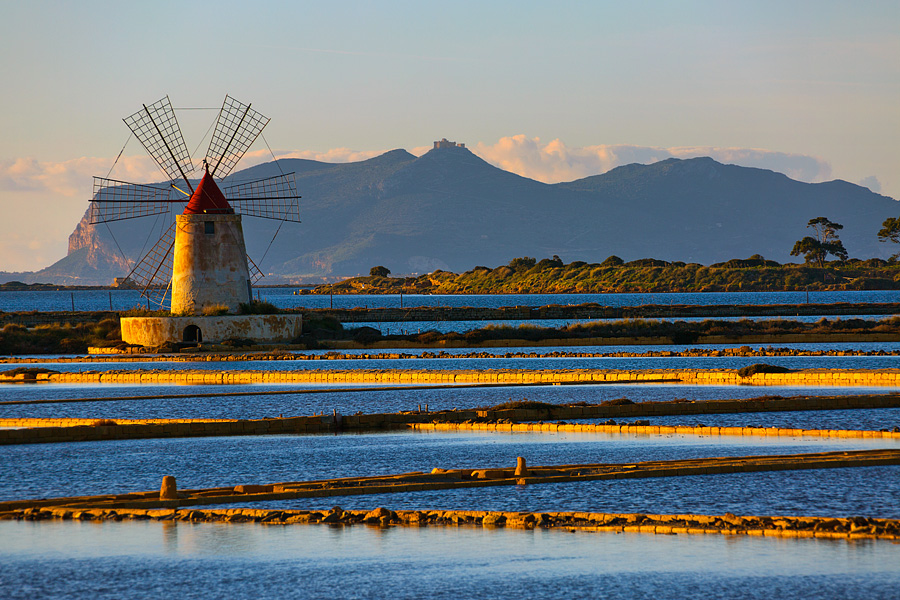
(63, 338)
(258, 307)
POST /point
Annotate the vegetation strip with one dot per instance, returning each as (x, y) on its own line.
(727, 524)
(443, 479)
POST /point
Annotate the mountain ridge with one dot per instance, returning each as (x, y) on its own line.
(449, 209)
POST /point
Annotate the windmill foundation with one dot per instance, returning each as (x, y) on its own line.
(156, 331)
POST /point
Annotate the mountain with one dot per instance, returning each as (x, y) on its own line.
(449, 209)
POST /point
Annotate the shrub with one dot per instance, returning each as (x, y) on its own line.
(214, 310)
(257, 307)
(525, 403)
(617, 402)
(751, 370)
(612, 261)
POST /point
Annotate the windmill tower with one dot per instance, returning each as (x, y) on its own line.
(202, 257)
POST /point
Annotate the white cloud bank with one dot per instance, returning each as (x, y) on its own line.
(42, 201)
(554, 161)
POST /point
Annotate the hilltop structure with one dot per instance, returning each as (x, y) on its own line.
(445, 143)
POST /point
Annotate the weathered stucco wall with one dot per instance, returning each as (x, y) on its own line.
(210, 267)
(154, 331)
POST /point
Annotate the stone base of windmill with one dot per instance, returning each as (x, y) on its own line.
(263, 329)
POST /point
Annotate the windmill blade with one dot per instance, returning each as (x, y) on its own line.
(157, 129)
(154, 272)
(118, 200)
(270, 198)
(237, 128)
(255, 273)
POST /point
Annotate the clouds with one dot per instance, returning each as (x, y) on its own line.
(554, 161)
(71, 178)
(872, 183)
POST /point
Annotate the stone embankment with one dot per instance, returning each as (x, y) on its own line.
(28, 430)
(727, 524)
(806, 377)
(165, 504)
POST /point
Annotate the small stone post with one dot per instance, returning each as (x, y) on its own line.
(521, 469)
(169, 490)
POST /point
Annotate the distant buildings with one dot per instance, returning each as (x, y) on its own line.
(444, 143)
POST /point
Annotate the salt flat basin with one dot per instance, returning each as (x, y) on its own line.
(92, 560)
(372, 401)
(90, 468)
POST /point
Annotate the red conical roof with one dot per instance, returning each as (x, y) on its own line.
(208, 199)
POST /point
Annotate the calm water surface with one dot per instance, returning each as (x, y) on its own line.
(370, 399)
(153, 560)
(121, 466)
(283, 298)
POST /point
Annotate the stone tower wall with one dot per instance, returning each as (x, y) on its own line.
(210, 266)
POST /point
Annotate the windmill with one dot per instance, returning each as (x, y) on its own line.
(202, 256)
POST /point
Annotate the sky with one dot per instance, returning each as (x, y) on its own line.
(553, 91)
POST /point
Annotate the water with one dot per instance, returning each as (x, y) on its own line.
(88, 300)
(123, 466)
(370, 400)
(182, 560)
(414, 327)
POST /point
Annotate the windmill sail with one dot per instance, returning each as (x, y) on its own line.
(154, 271)
(271, 198)
(117, 200)
(157, 129)
(237, 128)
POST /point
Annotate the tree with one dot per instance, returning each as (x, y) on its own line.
(890, 232)
(379, 271)
(816, 249)
(522, 264)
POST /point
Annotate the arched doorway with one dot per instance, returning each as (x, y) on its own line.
(192, 334)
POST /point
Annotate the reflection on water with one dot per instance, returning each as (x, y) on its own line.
(116, 560)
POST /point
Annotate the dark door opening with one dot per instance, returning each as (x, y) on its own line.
(192, 334)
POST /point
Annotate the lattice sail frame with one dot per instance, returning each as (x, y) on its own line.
(153, 272)
(156, 127)
(118, 200)
(237, 127)
(270, 198)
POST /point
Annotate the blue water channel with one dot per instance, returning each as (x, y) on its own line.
(122, 466)
(90, 300)
(100, 404)
(151, 560)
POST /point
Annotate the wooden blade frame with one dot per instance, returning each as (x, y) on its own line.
(157, 129)
(271, 198)
(154, 272)
(237, 128)
(118, 200)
